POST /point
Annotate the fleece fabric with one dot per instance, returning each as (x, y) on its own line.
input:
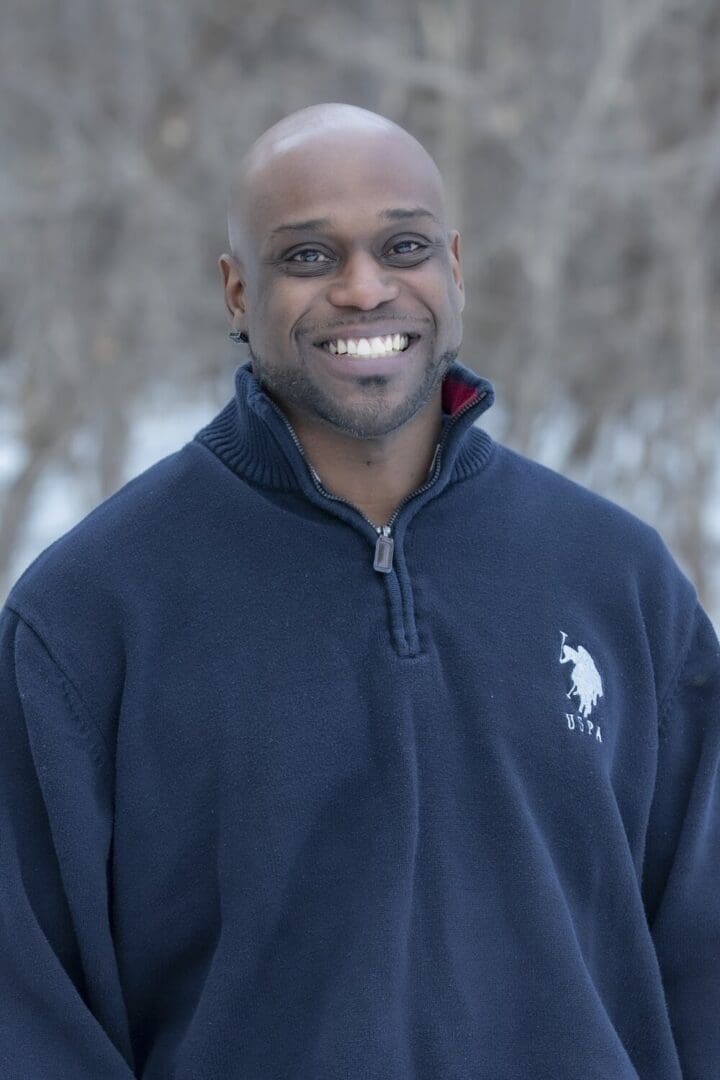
(268, 811)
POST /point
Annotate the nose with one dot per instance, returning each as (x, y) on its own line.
(363, 284)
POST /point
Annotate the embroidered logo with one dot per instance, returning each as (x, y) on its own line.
(586, 682)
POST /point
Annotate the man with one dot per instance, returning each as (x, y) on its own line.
(346, 742)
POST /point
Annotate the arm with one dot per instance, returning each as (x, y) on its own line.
(681, 884)
(62, 1015)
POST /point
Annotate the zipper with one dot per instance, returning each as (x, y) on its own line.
(384, 545)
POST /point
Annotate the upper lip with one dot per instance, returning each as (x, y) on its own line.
(346, 333)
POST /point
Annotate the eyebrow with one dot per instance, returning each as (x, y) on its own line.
(399, 213)
(395, 213)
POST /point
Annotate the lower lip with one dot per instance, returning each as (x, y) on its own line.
(357, 366)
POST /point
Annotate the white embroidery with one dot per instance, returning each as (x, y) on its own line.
(586, 681)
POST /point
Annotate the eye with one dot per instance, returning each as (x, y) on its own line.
(409, 247)
(408, 251)
(308, 257)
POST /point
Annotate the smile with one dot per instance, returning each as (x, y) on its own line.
(370, 347)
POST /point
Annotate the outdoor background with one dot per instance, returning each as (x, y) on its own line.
(580, 140)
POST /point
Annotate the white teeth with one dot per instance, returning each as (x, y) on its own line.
(376, 346)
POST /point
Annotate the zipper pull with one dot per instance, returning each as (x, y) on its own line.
(384, 551)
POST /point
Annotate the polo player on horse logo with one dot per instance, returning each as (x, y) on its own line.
(586, 681)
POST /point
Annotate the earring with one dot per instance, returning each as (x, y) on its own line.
(238, 335)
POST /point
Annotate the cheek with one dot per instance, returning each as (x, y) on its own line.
(455, 298)
(444, 297)
(448, 307)
(279, 307)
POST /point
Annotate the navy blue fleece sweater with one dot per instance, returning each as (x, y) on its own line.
(269, 812)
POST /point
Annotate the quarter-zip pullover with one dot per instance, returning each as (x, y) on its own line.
(278, 801)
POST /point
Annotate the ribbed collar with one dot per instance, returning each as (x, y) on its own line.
(252, 436)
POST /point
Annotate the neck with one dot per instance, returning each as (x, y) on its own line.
(375, 475)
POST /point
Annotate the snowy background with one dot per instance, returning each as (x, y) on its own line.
(580, 140)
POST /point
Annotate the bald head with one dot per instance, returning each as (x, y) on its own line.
(311, 133)
(338, 230)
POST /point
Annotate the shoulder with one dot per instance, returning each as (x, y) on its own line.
(124, 535)
(90, 595)
(556, 510)
(587, 548)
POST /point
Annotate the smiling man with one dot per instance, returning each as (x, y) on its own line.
(346, 742)
(347, 280)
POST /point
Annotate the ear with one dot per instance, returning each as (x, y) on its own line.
(456, 265)
(233, 279)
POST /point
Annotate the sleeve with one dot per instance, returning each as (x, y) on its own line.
(62, 1015)
(681, 880)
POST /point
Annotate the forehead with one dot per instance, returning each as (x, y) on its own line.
(347, 178)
